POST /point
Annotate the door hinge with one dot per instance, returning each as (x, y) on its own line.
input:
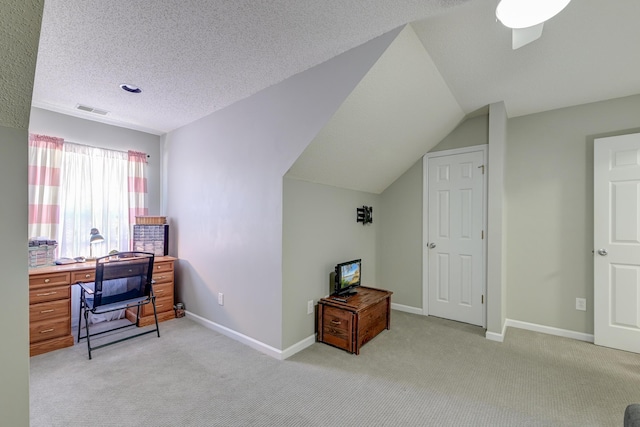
(482, 299)
(481, 167)
(482, 237)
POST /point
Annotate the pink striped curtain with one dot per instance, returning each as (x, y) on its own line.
(45, 160)
(137, 185)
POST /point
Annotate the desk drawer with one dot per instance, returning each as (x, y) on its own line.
(49, 310)
(86, 276)
(162, 304)
(41, 331)
(52, 293)
(162, 276)
(46, 280)
(162, 267)
(163, 289)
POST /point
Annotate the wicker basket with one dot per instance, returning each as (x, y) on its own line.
(153, 220)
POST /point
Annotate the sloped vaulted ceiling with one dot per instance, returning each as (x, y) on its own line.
(400, 110)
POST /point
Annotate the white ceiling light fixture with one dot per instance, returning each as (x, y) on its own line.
(527, 17)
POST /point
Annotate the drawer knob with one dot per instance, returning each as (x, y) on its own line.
(336, 322)
(47, 280)
(48, 311)
(45, 331)
(87, 275)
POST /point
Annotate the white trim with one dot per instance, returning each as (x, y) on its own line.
(253, 343)
(299, 346)
(406, 308)
(454, 151)
(494, 336)
(549, 330)
(484, 148)
(425, 235)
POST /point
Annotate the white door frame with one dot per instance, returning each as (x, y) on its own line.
(425, 222)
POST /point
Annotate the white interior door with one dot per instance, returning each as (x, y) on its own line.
(455, 236)
(617, 242)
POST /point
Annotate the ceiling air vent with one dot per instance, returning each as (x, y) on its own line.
(91, 110)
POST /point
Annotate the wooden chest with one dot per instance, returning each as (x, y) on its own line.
(351, 324)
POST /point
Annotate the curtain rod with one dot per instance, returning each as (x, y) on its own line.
(102, 148)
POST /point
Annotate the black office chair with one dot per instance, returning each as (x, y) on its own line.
(122, 282)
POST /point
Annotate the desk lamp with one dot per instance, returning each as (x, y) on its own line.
(96, 237)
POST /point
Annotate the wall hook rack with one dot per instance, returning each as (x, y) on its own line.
(364, 215)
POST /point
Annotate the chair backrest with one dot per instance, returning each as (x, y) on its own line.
(122, 277)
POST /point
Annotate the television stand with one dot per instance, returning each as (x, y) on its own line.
(349, 323)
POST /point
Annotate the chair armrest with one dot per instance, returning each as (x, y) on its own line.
(85, 288)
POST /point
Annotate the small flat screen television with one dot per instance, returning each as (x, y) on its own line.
(347, 277)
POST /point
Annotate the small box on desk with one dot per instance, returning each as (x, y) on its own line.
(41, 256)
(153, 238)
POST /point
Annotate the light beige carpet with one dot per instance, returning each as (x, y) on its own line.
(425, 371)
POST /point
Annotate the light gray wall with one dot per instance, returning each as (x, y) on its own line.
(19, 35)
(400, 232)
(14, 316)
(399, 243)
(472, 131)
(224, 192)
(319, 231)
(89, 132)
(549, 196)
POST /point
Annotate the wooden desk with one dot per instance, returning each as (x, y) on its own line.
(50, 301)
(350, 325)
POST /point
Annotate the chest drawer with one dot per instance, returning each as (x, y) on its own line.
(52, 293)
(337, 327)
(49, 310)
(40, 331)
(46, 280)
(83, 276)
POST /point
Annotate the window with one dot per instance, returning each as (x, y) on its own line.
(74, 188)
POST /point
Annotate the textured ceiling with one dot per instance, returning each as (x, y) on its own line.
(193, 57)
(19, 33)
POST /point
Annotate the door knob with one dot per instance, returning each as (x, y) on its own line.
(602, 252)
(432, 245)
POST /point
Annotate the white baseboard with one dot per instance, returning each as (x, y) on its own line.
(495, 336)
(406, 308)
(251, 342)
(299, 346)
(548, 330)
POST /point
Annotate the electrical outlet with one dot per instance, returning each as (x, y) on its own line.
(310, 306)
(581, 304)
(220, 298)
